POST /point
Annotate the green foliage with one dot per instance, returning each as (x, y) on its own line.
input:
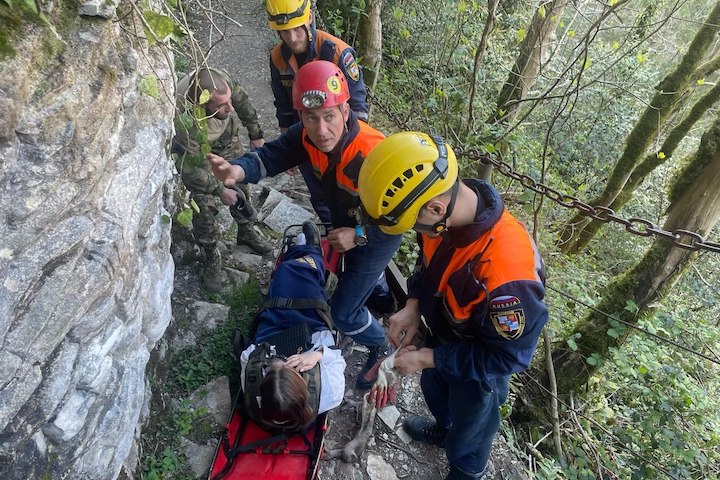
(407, 254)
(190, 369)
(213, 357)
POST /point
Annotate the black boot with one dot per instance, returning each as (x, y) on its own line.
(425, 429)
(312, 234)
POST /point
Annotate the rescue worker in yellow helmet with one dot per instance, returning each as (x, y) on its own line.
(302, 43)
(479, 283)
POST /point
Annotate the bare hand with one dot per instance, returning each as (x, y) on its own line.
(342, 239)
(228, 196)
(224, 171)
(257, 143)
(410, 360)
(304, 361)
(404, 324)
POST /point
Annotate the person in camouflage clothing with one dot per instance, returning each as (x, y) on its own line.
(226, 107)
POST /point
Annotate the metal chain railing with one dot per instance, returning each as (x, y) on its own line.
(680, 238)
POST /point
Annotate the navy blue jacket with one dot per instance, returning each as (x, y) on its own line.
(480, 287)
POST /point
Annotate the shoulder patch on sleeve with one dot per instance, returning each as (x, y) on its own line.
(351, 66)
(509, 324)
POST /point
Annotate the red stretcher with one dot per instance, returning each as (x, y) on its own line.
(246, 451)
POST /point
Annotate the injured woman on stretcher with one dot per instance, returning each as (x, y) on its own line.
(293, 370)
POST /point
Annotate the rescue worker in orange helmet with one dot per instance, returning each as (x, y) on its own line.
(479, 283)
(334, 143)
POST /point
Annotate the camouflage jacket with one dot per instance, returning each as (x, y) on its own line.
(223, 135)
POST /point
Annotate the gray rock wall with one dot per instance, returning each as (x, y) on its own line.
(85, 269)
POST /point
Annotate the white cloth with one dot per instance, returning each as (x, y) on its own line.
(332, 368)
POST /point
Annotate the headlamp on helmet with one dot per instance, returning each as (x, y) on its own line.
(287, 14)
(313, 99)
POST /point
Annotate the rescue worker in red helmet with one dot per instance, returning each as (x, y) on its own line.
(301, 44)
(334, 143)
(479, 284)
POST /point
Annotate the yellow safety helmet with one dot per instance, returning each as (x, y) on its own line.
(287, 14)
(401, 174)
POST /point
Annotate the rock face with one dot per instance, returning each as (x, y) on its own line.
(85, 269)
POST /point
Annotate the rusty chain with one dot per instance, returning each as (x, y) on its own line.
(637, 226)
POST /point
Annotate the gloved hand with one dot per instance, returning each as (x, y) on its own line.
(385, 387)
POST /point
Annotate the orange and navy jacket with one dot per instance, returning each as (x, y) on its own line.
(480, 288)
(323, 46)
(337, 172)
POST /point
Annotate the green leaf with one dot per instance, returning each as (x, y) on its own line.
(186, 120)
(184, 217)
(640, 58)
(204, 97)
(149, 86)
(194, 205)
(571, 33)
(462, 6)
(165, 219)
(161, 25)
(571, 343)
(541, 11)
(643, 369)
(631, 307)
(592, 361)
(613, 333)
(520, 35)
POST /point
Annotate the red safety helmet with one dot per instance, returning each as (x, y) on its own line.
(319, 84)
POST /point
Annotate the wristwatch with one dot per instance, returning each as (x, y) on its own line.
(360, 237)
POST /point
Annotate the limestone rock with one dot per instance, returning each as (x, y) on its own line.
(85, 269)
(379, 469)
(98, 8)
(286, 214)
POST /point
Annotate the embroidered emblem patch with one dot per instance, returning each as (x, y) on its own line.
(351, 66)
(309, 260)
(509, 323)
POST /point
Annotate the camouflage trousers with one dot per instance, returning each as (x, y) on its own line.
(205, 226)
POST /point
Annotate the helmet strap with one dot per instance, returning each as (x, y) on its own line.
(441, 226)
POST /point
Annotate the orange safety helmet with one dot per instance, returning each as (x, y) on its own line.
(319, 84)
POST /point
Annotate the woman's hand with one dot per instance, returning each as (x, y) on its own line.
(304, 361)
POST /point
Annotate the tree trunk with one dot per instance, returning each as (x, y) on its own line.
(652, 161)
(534, 50)
(479, 52)
(370, 42)
(668, 92)
(695, 206)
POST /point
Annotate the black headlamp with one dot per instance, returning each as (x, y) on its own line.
(284, 18)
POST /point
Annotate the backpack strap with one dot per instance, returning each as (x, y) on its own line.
(321, 306)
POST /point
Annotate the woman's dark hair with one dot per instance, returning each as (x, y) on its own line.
(284, 399)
